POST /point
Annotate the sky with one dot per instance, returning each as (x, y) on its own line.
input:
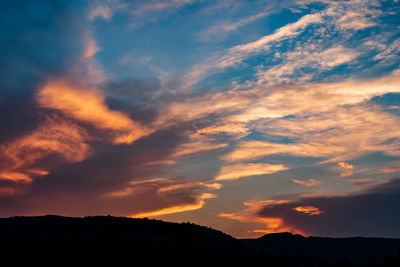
(250, 117)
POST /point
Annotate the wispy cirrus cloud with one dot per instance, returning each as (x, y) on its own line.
(325, 122)
(237, 171)
(219, 30)
(308, 57)
(140, 11)
(238, 53)
(264, 102)
(163, 185)
(100, 9)
(337, 16)
(196, 147)
(157, 5)
(328, 135)
(308, 182)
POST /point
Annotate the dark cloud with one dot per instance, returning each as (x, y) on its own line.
(373, 212)
(135, 97)
(46, 41)
(78, 189)
(38, 39)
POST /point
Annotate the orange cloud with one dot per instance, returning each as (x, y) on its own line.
(38, 172)
(238, 171)
(90, 46)
(345, 174)
(309, 182)
(196, 148)
(52, 137)
(15, 177)
(189, 185)
(309, 210)
(348, 167)
(262, 203)
(161, 162)
(88, 105)
(177, 208)
(138, 186)
(271, 224)
(389, 170)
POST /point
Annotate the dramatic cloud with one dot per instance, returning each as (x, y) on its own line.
(52, 136)
(371, 212)
(271, 224)
(166, 190)
(88, 105)
(100, 117)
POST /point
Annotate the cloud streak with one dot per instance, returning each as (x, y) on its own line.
(198, 204)
(308, 183)
(237, 171)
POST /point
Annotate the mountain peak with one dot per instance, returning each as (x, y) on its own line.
(281, 235)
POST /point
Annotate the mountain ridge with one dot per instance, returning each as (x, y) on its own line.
(117, 239)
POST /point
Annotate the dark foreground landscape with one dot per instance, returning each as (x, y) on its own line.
(119, 241)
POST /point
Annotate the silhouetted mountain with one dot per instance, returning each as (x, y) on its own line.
(119, 241)
(356, 250)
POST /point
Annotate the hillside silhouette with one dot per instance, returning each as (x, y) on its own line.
(290, 249)
(118, 241)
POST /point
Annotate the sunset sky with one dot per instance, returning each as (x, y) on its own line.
(250, 117)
